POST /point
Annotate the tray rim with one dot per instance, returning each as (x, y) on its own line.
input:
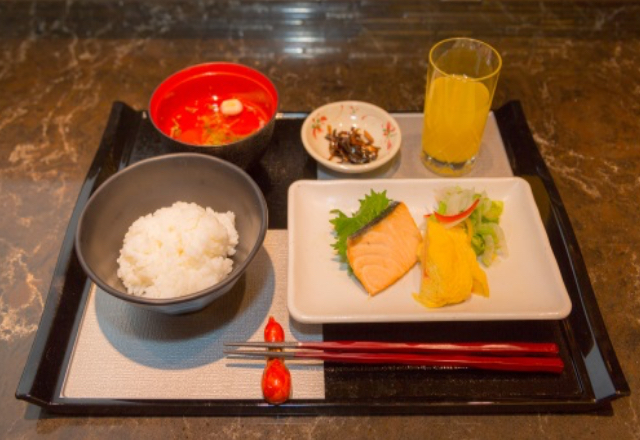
(42, 387)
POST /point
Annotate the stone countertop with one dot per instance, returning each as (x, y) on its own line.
(575, 66)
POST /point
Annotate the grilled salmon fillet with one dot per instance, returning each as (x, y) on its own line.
(385, 249)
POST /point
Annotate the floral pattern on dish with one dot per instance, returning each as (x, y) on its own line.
(316, 125)
(389, 131)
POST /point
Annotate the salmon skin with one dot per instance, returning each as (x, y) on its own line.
(382, 251)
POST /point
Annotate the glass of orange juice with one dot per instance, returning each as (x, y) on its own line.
(461, 80)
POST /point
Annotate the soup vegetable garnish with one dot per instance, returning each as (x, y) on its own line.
(351, 146)
(212, 123)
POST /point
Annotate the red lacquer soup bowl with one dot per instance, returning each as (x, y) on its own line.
(223, 109)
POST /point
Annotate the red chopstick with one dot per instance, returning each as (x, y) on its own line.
(493, 348)
(501, 363)
(502, 356)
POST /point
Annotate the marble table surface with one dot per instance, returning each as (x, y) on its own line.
(575, 67)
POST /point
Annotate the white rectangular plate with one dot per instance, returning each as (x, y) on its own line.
(526, 285)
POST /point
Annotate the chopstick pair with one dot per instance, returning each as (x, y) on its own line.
(525, 357)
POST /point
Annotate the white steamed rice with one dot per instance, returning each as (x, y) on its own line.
(177, 250)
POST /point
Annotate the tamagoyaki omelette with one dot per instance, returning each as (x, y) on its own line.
(450, 272)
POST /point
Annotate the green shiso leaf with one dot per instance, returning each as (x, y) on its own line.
(370, 207)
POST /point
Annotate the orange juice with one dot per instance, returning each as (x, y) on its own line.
(456, 112)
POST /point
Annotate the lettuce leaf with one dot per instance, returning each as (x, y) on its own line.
(370, 207)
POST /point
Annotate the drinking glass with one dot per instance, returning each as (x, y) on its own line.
(461, 81)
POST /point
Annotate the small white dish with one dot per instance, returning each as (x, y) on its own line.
(343, 115)
(525, 285)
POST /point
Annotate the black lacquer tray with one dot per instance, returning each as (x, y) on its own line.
(591, 380)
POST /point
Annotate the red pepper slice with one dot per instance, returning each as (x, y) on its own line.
(457, 217)
(276, 382)
(273, 331)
